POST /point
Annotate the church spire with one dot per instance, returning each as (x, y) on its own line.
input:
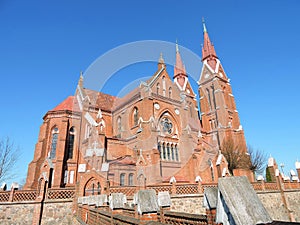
(179, 68)
(208, 50)
(80, 81)
(180, 76)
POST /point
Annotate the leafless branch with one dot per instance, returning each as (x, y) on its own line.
(9, 155)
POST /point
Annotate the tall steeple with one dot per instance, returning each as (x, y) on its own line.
(218, 109)
(180, 75)
(208, 50)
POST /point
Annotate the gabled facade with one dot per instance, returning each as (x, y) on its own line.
(152, 135)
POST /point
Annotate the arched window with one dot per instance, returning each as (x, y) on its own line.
(168, 151)
(119, 125)
(130, 179)
(70, 143)
(164, 151)
(135, 116)
(53, 143)
(208, 98)
(164, 85)
(172, 152)
(157, 88)
(93, 189)
(159, 149)
(176, 153)
(122, 179)
(98, 188)
(170, 92)
(211, 169)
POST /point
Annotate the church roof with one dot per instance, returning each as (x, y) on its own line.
(126, 160)
(101, 100)
(70, 103)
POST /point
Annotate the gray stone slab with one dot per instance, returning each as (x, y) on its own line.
(164, 199)
(79, 200)
(92, 200)
(210, 197)
(238, 203)
(101, 200)
(146, 201)
(117, 200)
(85, 200)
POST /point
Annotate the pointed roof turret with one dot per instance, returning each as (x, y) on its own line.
(161, 62)
(180, 75)
(179, 68)
(80, 81)
(161, 59)
(208, 50)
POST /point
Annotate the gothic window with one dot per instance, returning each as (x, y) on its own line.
(135, 116)
(211, 169)
(119, 125)
(167, 126)
(170, 92)
(70, 143)
(164, 151)
(164, 85)
(208, 98)
(93, 189)
(157, 88)
(122, 179)
(53, 143)
(168, 151)
(172, 152)
(66, 177)
(159, 149)
(87, 131)
(98, 188)
(214, 99)
(130, 179)
(176, 153)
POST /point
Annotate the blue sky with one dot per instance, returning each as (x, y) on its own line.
(45, 44)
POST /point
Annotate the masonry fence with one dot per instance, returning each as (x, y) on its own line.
(173, 189)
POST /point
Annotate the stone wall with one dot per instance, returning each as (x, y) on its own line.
(61, 212)
(293, 199)
(58, 213)
(273, 203)
(188, 204)
(16, 214)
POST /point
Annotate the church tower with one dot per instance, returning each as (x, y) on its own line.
(219, 116)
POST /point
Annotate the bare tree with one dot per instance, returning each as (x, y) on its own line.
(235, 157)
(258, 160)
(9, 155)
(254, 160)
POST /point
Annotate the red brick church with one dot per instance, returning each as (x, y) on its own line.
(156, 133)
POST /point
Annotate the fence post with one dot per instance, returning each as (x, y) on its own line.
(200, 187)
(173, 189)
(107, 187)
(11, 196)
